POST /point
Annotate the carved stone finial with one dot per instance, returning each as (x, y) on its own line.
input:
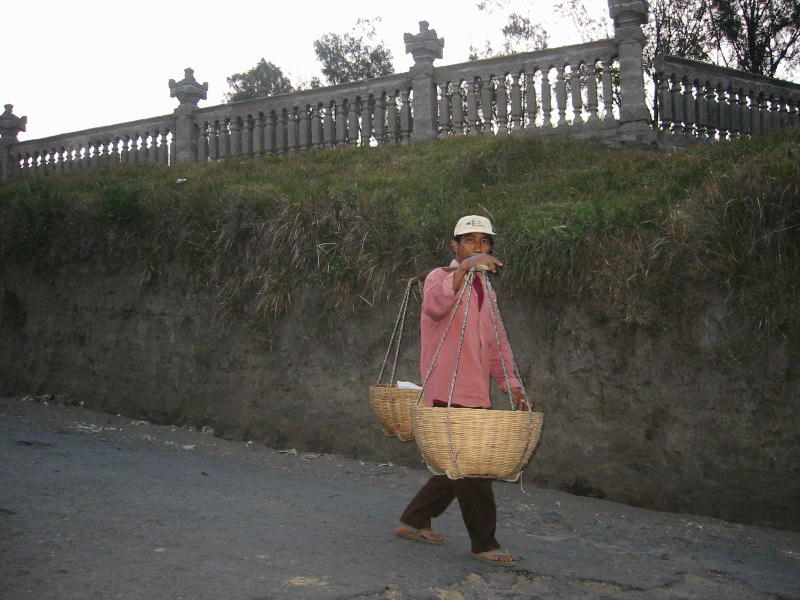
(425, 46)
(187, 90)
(628, 12)
(10, 124)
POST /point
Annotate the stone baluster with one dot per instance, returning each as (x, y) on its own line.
(367, 121)
(281, 132)
(608, 92)
(379, 122)
(392, 118)
(124, 151)
(10, 127)
(457, 109)
(591, 95)
(575, 94)
(516, 105)
(472, 107)
(531, 104)
(561, 96)
(225, 141)
(235, 128)
(502, 105)
(677, 105)
(63, 159)
(735, 114)
(487, 102)
(329, 126)
(58, 160)
(712, 110)
(405, 116)
(248, 125)
(257, 145)
(445, 127)
(292, 141)
(744, 112)
(701, 117)
(774, 113)
(306, 127)
(189, 93)
(341, 123)
(164, 148)
(688, 109)
(757, 108)
(424, 47)
(353, 123)
(155, 151)
(213, 141)
(723, 119)
(202, 142)
(67, 158)
(628, 17)
(317, 135)
(270, 133)
(547, 108)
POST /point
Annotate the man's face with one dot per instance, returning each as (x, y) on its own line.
(470, 244)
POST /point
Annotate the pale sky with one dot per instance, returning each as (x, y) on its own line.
(70, 66)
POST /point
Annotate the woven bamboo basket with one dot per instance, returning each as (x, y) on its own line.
(392, 406)
(459, 442)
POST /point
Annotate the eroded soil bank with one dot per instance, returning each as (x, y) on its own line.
(691, 419)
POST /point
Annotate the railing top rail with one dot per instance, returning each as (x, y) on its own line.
(115, 130)
(556, 56)
(701, 70)
(312, 95)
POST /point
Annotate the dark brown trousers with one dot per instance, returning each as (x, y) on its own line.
(476, 499)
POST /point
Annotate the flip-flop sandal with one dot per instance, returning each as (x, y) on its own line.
(418, 535)
(489, 554)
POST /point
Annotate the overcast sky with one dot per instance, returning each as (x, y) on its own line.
(74, 65)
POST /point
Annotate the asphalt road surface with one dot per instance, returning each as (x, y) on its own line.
(100, 506)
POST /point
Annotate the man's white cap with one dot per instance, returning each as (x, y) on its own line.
(473, 224)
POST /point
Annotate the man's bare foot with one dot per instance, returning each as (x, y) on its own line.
(498, 557)
(419, 535)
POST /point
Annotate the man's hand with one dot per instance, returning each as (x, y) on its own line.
(518, 396)
(490, 262)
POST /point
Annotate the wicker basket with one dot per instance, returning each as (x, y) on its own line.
(459, 442)
(392, 406)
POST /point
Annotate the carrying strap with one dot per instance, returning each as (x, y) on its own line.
(399, 325)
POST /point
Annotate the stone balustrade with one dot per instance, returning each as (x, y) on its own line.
(698, 102)
(568, 90)
(586, 90)
(143, 141)
(368, 113)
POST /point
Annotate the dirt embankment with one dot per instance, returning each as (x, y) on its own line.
(694, 419)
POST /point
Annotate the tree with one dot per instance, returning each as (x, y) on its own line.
(265, 79)
(757, 35)
(349, 57)
(679, 28)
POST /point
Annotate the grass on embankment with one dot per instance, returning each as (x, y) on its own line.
(637, 233)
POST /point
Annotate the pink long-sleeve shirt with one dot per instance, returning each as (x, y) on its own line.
(480, 356)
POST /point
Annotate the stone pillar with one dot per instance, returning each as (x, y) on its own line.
(629, 16)
(10, 126)
(425, 47)
(189, 93)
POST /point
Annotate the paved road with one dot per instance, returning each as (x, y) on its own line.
(99, 506)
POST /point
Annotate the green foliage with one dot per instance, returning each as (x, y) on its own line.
(641, 236)
(265, 79)
(758, 35)
(350, 57)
